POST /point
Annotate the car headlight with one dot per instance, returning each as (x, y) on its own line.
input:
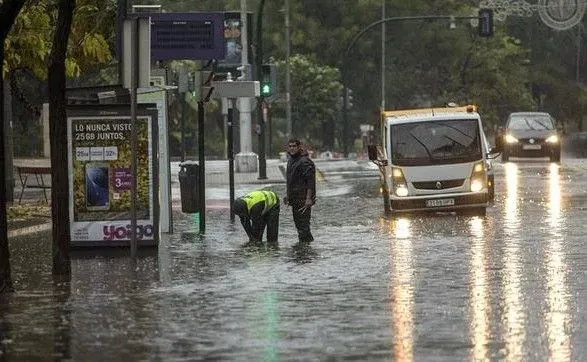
(552, 139)
(510, 139)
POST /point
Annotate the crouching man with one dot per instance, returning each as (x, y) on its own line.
(257, 210)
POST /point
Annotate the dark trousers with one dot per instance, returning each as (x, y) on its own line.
(271, 219)
(302, 218)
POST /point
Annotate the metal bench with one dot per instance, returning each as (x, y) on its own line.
(26, 173)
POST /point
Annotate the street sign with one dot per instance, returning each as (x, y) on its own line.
(231, 89)
(193, 36)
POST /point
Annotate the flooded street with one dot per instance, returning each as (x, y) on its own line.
(509, 286)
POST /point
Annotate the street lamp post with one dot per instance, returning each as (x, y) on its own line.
(345, 55)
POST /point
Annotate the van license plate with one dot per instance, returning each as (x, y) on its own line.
(531, 147)
(440, 202)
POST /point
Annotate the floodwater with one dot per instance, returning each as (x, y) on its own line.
(509, 286)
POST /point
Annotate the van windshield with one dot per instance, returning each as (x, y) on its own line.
(435, 143)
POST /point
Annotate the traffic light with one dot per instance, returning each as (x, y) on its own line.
(268, 80)
(485, 27)
(349, 98)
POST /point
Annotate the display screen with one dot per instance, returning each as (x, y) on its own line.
(97, 186)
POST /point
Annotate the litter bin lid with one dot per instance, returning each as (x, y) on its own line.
(188, 163)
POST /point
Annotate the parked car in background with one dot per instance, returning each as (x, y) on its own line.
(529, 134)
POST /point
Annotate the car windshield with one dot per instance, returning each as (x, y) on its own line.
(531, 122)
(435, 143)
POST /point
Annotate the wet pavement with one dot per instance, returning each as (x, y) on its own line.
(509, 286)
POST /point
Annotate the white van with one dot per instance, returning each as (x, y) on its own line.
(434, 159)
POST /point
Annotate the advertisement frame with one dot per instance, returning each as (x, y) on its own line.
(102, 225)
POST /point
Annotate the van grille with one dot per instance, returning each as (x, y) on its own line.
(433, 185)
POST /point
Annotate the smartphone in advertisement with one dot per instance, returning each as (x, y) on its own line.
(97, 186)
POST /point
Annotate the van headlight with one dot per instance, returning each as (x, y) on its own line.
(400, 187)
(401, 190)
(476, 185)
(478, 177)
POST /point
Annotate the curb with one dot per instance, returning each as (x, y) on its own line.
(30, 229)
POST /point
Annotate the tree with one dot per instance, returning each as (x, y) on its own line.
(27, 52)
(316, 91)
(9, 10)
(58, 135)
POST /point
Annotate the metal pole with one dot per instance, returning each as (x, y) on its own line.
(345, 116)
(289, 132)
(133, 138)
(230, 153)
(383, 56)
(260, 119)
(269, 130)
(202, 164)
(184, 108)
(262, 156)
(578, 57)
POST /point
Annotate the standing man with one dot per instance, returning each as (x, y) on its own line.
(300, 188)
(256, 210)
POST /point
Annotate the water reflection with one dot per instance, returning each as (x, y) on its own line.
(402, 289)
(62, 319)
(557, 317)
(303, 253)
(479, 299)
(514, 318)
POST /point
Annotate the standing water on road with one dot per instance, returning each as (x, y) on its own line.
(510, 285)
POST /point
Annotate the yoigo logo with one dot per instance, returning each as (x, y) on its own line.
(112, 232)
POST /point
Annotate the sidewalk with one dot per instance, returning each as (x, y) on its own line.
(34, 215)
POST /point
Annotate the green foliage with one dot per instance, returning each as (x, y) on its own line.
(524, 66)
(315, 98)
(29, 43)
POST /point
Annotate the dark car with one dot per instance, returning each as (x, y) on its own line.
(529, 134)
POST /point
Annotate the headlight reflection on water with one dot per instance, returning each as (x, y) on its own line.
(402, 289)
(557, 317)
(514, 316)
(479, 295)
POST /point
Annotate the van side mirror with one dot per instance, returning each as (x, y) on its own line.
(372, 152)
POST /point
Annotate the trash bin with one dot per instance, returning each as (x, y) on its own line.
(189, 176)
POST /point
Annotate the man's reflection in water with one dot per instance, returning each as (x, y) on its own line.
(303, 253)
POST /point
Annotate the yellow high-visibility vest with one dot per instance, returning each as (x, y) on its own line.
(254, 197)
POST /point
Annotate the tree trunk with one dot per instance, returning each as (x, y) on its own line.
(58, 136)
(9, 9)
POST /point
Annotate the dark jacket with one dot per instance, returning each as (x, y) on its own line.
(301, 176)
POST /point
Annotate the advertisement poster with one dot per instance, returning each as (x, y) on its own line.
(101, 179)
